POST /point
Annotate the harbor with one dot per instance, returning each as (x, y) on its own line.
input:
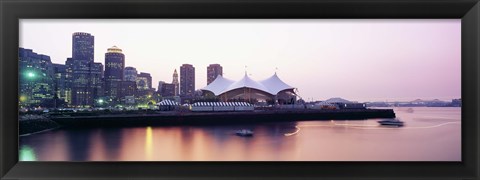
(422, 138)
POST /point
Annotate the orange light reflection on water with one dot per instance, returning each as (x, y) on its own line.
(149, 143)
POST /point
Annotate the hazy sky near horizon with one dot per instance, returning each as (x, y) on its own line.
(359, 60)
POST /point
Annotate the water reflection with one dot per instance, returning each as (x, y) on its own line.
(149, 143)
(112, 138)
(422, 139)
(105, 144)
(27, 154)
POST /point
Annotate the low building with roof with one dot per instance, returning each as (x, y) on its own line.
(272, 89)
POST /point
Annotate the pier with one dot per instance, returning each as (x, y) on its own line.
(214, 118)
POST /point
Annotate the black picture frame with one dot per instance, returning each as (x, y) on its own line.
(13, 10)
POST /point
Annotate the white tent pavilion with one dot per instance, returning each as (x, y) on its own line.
(270, 88)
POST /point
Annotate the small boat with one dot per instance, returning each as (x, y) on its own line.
(410, 110)
(391, 122)
(244, 132)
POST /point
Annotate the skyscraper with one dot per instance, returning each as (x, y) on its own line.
(213, 70)
(84, 77)
(130, 74)
(83, 46)
(114, 67)
(187, 80)
(175, 83)
(80, 83)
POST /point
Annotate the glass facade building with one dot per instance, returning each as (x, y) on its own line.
(36, 79)
(130, 74)
(81, 91)
(144, 81)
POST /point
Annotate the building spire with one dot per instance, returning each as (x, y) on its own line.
(175, 82)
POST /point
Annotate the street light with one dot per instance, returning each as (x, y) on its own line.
(23, 98)
(31, 75)
(30, 78)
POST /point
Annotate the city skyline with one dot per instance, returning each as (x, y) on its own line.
(437, 78)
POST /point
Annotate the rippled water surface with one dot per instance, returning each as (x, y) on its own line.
(430, 134)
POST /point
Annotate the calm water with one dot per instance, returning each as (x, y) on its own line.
(430, 134)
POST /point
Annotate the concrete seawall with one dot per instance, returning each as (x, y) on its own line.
(35, 125)
(213, 118)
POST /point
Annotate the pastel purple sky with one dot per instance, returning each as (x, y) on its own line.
(359, 60)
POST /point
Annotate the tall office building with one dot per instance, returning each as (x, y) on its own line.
(83, 46)
(160, 84)
(69, 81)
(114, 67)
(96, 78)
(144, 81)
(130, 74)
(81, 83)
(36, 81)
(60, 81)
(187, 80)
(213, 70)
(84, 77)
(176, 83)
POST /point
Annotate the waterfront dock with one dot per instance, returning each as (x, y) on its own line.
(214, 118)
